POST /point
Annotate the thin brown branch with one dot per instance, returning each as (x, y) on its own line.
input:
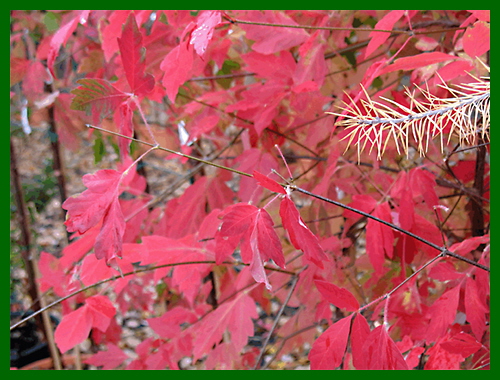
(76, 292)
(397, 228)
(294, 281)
(200, 160)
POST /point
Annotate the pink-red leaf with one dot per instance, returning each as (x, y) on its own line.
(483, 15)
(100, 200)
(224, 356)
(378, 38)
(328, 350)
(279, 39)
(112, 31)
(279, 67)
(468, 245)
(102, 311)
(133, 54)
(359, 332)
(177, 66)
(300, 235)
(417, 61)
(462, 344)
(381, 352)
(124, 114)
(477, 39)
(268, 183)
(475, 309)
(53, 274)
(109, 359)
(169, 324)
(440, 358)
(442, 314)
(235, 316)
(206, 24)
(86, 209)
(33, 81)
(62, 35)
(312, 65)
(340, 297)
(264, 244)
(253, 227)
(379, 237)
(73, 329)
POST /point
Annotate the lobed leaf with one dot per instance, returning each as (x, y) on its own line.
(97, 97)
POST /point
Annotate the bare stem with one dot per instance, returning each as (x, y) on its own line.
(276, 321)
(171, 151)
(397, 228)
(56, 302)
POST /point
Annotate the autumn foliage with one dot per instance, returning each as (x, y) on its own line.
(237, 100)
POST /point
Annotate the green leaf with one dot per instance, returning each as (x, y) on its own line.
(98, 148)
(227, 68)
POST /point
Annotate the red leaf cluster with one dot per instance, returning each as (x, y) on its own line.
(194, 248)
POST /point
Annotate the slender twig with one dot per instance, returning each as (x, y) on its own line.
(284, 340)
(389, 294)
(224, 76)
(58, 301)
(397, 228)
(334, 28)
(173, 187)
(171, 151)
(276, 320)
(310, 194)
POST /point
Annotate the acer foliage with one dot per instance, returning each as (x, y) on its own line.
(210, 252)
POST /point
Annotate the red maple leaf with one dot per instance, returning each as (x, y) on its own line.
(99, 201)
(73, 329)
(463, 344)
(224, 356)
(340, 297)
(268, 183)
(177, 65)
(169, 324)
(253, 227)
(206, 24)
(235, 316)
(75, 326)
(53, 274)
(381, 352)
(379, 238)
(475, 308)
(328, 350)
(359, 332)
(109, 359)
(102, 311)
(300, 235)
(279, 39)
(417, 61)
(477, 39)
(378, 38)
(442, 314)
(280, 67)
(62, 35)
(132, 54)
